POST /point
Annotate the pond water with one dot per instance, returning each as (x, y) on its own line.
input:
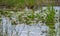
(26, 30)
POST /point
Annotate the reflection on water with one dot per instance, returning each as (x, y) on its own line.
(26, 30)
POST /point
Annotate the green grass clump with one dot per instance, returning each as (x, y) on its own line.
(50, 20)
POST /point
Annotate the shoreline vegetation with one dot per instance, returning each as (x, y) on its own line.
(21, 4)
(29, 16)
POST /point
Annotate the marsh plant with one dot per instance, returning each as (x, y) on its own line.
(29, 17)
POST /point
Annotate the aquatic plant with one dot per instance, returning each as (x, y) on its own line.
(30, 16)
